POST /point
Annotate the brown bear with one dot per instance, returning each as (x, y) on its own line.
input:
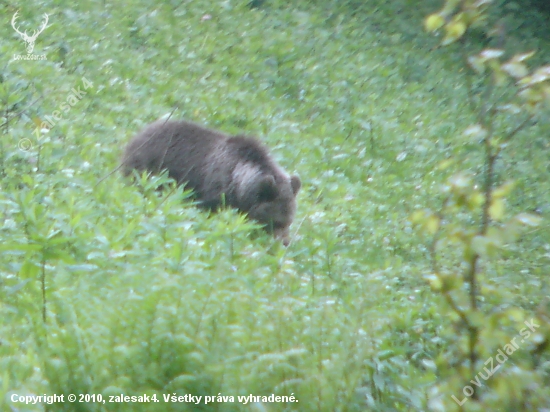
(222, 170)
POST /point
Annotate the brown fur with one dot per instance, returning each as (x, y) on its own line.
(216, 166)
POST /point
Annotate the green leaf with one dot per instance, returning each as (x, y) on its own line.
(434, 281)
(83, 267)
(53, 254)
(25, 247)
(496, 209)
(532, 95)
(434, 22)
(510, 108)
(432, 224)
(475, 200)
(491, 54)
(475, 131)
(29, 270)
(540, 75)
(477, 63)
(54, 241)
(515, 69)
(528, 219)
(453, 32)
(445, 164)
(460, 183)
(522, 56)
(504, 190)
(16, 288)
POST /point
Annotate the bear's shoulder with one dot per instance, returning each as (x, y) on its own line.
(249, 149)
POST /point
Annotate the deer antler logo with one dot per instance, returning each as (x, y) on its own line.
(30, 39)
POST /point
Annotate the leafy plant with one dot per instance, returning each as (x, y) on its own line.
(472, 226)
(147, 294)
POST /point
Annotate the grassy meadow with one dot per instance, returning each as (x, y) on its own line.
(109, 288)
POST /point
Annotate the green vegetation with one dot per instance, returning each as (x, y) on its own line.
(472, 225)
(110, 288)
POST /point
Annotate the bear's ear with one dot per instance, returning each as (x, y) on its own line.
(296, 184)
(267, 189)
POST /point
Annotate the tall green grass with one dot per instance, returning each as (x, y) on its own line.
(151, 296)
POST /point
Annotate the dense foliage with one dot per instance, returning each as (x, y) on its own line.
(507, 97)
(112, 288)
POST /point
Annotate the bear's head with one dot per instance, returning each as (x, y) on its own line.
(270, 199)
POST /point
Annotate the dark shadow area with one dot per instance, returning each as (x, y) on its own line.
(541, 5)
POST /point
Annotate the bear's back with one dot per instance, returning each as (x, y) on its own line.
(180, 147)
